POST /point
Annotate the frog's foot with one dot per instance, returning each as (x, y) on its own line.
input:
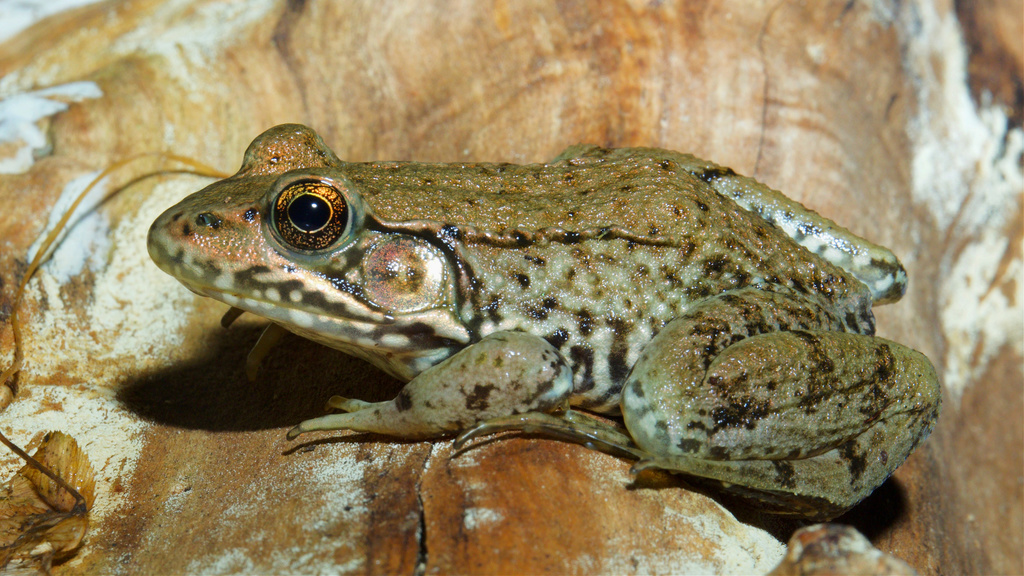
(570, 425)
(368, 419)
(340, 421)
(504, 373)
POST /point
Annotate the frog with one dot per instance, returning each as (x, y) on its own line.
(638, 301)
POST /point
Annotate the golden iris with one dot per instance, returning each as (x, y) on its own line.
(310, 215)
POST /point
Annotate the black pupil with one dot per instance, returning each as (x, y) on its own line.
(309, 212)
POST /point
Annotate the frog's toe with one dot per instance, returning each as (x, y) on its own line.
(519, 422)
(330, 422)
(295, 432)
(271, 335)
(670, 463)
(359, 421)
(643, 464)
(347, 404)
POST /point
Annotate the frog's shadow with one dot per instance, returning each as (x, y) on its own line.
(873, 516)
(212, 392)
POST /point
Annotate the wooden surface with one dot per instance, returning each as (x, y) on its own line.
(862, 111)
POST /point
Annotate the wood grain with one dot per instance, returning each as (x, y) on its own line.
(831, 102)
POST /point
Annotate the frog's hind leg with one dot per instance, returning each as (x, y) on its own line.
(504, 373)
(762, 392)
(569, 425)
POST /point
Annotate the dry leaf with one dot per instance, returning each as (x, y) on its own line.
(40, 520)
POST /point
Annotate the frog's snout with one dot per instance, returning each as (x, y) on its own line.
(159, 242)
(181, 239)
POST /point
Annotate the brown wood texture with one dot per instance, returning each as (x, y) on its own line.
(861, 110)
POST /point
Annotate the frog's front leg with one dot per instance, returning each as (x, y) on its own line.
(504, 373)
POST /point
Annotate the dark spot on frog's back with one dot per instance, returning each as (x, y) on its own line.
(476, 400)
(450, 232)
(617, 366)
(885, 363)
(524, 280)
(535, 312)
(689, 445)
(709, 175)
(586, 322)
(785, 473)
(715, 265)
(740, 413)
(535, 260)
(855, 463)
(558, 338)
(403, 401)
(522, 240)
(582, 359)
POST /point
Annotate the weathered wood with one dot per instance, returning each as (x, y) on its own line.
(861, 111)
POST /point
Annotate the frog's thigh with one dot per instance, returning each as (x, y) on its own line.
(668, 380)
(826, 416)
(505, 373)
(786, 394)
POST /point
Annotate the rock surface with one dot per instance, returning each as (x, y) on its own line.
(863, 111)
(824, 549)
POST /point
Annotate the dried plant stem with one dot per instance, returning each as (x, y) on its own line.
(8, 384)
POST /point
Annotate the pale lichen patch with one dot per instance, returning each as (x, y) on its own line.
(133, 318)
(191, 38)
(21, 137)
(726, 546)
(966, 171)
(473, 518)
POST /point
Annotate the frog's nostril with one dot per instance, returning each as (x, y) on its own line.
(208, 220)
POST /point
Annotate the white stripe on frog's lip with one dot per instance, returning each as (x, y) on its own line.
(392, 351)
(347, 331)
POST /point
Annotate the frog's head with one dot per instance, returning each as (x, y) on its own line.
(289, 238)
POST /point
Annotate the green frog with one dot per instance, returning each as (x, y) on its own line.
(639, 301)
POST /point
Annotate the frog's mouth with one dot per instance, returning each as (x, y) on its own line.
(402, 345)
(341, 321)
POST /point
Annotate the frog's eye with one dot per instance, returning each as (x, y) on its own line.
(310, 215)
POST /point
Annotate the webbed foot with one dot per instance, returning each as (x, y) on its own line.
(570, 425)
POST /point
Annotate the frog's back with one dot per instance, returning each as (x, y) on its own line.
(646, 191)
(597, 250)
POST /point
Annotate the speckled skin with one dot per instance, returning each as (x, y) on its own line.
(730, 326)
